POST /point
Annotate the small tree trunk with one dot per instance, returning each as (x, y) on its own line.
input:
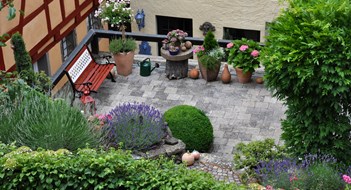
(123, 29)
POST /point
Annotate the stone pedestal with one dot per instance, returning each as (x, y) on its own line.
(177, 65)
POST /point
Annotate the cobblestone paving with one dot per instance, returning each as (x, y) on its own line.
(221, 170)
(238, 112)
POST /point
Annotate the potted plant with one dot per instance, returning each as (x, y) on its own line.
(243, 55)
(175, 41)
(209, 57)
(117, 13)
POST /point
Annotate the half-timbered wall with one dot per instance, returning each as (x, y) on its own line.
(43, 25)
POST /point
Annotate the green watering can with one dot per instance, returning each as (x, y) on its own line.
(145, 67)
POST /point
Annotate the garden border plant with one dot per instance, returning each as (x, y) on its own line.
(97, 169)
(307, 64)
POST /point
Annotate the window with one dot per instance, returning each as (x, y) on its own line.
(94, 22)
(68, 44)
(166, 24)
(42, 65)
(235, 34)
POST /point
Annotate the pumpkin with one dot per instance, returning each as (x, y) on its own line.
(194, 73)
(188, 44)
(196, 154)
(188, 158)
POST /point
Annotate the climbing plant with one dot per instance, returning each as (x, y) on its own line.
(11, 15)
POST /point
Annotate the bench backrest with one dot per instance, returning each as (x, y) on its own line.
(79, 64)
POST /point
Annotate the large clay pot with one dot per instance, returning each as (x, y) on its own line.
(209, 75)
(124, 62)
(226, 77)
(243, 77)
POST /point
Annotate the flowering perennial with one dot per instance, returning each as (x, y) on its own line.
(114, 12)
(137, 126)
(244, 54)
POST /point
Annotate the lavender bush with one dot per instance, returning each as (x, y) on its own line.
(313, 172)
(137, 126)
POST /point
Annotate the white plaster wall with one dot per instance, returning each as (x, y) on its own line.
(243, 14)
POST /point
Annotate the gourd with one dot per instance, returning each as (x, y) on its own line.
(196, 154)
(188, 159)
(194, 73)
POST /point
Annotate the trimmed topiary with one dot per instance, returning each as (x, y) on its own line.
(190, 125)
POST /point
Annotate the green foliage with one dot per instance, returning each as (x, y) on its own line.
(209, 62)
(22, 58)
(39, 81)
(33, 120)
(98, 169)
(321, 176)
(246, 58)
(249, 155)
(210, 42)
(190, 125)
(120, 45)
(307, 64)
(11, 15)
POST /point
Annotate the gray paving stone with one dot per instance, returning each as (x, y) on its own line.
(238, 112)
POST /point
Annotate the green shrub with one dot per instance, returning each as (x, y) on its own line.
(39, 81)
(210, 42)
(22, 57)
(249, 155)
(31, 119)
(97, 169)
(122, 45)
(307, 64)
(190, 125)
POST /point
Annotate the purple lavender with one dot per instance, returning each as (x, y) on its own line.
(138, 126)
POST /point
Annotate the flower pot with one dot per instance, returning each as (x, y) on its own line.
(243, 77)
(173, 52)
(207, 74)
(124, 62)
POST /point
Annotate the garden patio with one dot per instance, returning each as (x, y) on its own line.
(238, 112)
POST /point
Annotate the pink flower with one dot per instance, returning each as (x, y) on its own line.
(268, 187)
(347, 179)
(243, 47)
(294, 178)
(255, 53)
(230, 45)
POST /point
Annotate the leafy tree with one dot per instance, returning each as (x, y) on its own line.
(307, 62)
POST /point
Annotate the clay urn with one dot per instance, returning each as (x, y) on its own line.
(226, 77)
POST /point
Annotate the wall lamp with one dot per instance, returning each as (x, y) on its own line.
(140, 19)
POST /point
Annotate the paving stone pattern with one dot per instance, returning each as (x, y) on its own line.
(238, 112)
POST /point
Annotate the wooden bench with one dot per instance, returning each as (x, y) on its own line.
(84, 73)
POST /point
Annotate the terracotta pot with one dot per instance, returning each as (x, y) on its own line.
(194, 73)
(243, 77)
(209, 75)
(124, 62)
(226, 77)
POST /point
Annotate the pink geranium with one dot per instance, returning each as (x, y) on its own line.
(255, 53)
(230, 45)
(243, 47)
